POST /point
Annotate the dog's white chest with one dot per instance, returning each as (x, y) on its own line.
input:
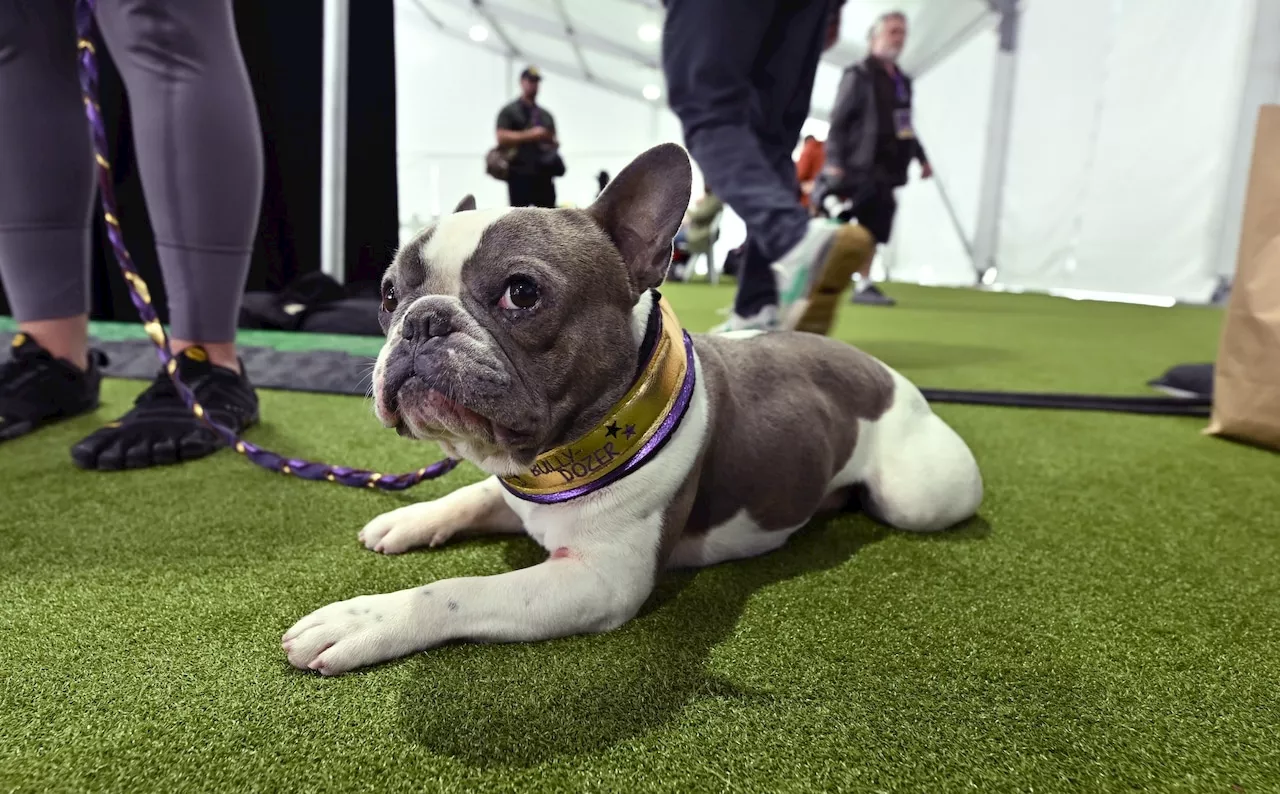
(546, 524)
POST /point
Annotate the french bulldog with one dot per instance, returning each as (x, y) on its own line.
(535, 344)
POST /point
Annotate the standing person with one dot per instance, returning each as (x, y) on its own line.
(200, 157)
(530, 130)
(739, 76)
(872, 140)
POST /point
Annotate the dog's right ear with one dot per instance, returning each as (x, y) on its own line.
(467, 204)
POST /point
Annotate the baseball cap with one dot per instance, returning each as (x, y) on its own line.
(531, 73)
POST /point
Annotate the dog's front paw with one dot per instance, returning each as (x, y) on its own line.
(353, 633)
(408, 528)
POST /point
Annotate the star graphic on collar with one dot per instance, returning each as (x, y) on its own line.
(611, 430)
(630, 431)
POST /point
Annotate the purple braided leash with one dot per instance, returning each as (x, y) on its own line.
(141, 295)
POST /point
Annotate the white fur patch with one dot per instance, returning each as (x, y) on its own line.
(380, 369)
(640, 316)
(922, 475)
(455, 239)
(738, 538)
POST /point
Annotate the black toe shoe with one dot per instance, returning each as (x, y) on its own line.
(160, 430)
(37, 389)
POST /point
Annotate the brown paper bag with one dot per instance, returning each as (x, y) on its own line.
(1246, 382)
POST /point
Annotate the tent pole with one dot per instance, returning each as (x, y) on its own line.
(996, 156)
(333, 162)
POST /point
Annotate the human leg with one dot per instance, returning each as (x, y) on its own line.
(519, 191)
(757, 291)
(201, 163)
(200, 156)
(711, 76)
(46, 185)
(875, 213)
(547, 193)
(742, 92)
(526, 190)
(811, 277)
(46, 193)
(710, 68)
(789, 54)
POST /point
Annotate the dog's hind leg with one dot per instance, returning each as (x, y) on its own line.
(478, 507)
(919, 474)
(738, 538)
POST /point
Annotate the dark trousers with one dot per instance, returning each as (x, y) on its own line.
(199, 146)
(874, 212)
(739, 76)
(531, 191)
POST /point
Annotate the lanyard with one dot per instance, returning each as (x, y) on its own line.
(900, 85)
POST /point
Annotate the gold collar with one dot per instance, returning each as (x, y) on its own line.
(633, 430)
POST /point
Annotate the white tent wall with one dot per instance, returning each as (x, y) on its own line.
(1151, 218)
(1128, 144)
(445, 123)
(448, 94)
(930, 245)
(1119, 153)
(937, 29)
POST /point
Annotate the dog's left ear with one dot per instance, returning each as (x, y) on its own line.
(467, 204)
(641, 211)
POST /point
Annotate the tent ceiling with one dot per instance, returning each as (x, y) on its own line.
(601, 41)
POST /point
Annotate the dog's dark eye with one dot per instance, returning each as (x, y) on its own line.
(521, 294)
(389, 299)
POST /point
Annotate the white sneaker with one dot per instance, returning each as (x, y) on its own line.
(764, 320)
(812, 275)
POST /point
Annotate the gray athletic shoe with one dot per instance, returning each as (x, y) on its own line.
(872, 296)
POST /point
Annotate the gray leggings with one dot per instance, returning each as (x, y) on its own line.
(199, 151)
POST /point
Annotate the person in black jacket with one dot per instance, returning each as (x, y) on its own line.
(872, 140)
(530, 129)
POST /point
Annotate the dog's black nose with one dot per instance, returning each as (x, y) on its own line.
(429, 318)
(415, 327)
(423, 324)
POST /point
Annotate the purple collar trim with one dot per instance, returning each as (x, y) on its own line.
(643, 455)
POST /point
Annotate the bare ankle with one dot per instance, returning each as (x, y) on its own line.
(66, 338)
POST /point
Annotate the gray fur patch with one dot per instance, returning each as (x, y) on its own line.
(409, 262)
(784, 420)
(574, 354)
(545, 373)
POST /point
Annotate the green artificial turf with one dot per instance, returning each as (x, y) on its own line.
(1109, 623)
